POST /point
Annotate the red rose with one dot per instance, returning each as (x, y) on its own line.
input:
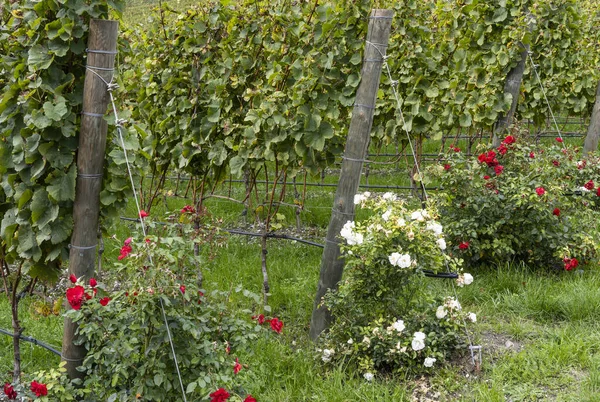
(88, 296)
(93, 282)
(143, 214)
(219, 395)
(570, 263)
(447, 166)
(598, 191)
(104, 301)
(188, 209)
(540, 191)
(128, 241)
(589, 185)
(463, 245)
(502, 149)
(481, 158)
(125, 250)
(456, 149)
(498, 169)
(237, 366)
(556, 212)
(73, 278)
(559, 139)
(249, 398)
(39, 389)
(531, 155)
(182, 289)
(556, 163)
(486, 177)
(276, 325)
(75, 296)
(509, 140)
(260, 318)
(10, 392)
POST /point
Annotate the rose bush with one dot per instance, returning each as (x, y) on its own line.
(520, 202)
(387, 316)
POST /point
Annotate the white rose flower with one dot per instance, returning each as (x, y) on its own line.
(468, 279)
(429, 361)
(386, 215)
(369, 376)
(358, 198)
(400, 222)
(441, 244)
(441, 312)
(327, 353)
(350, 341)
(410, 235)
(350, 235)
(394, 258)
(417, 216)
(452, 303)
(389, 196)
(403, 261)
(398, 325)
(435, 228)
(367, 194)
(366, 341)
(472, 317)
(418, 341)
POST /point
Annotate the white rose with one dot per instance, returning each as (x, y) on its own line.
(441, 312)
(398, 325)
(441, 244)
(472, 317)
(400, 222)
(350, 341)
(418, 341)
(366, 341)
(386, 215)
(389, 196)
(327, 353)
(468, 279)
(358, 198)
(410, 235)
(369, 376)
(394, 257)
(429, 361)
(403, 261)
(435, 227)
(417, 216)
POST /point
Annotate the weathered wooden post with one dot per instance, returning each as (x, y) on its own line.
(102, 45)
(593, 132)
(357, 143)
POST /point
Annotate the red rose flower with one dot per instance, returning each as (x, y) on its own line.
(249, 398)
(486, 177)
(219, 395)
(73, 278)
(276, 325)
(125, 250)
(463, 245)
(598, 191)
(104, 301)
(93, 282)
(143, 214)
(260, 318)
(556, 163)
(88, 296)
(148, 241)
(498, 169)
(540, 191)
(589, 185)
(559, 139)
(75, 296)
(237, 366)
(481, 158)
(456, 149)
(188, 209)
(531, 155)
(9, 391)
(447, 166)
(38, 389)
(570, 263)
(509, 140)
(502, 149)
(556, 212)
(128, 241)
(182, 289)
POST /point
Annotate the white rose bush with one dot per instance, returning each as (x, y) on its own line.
(386, 300)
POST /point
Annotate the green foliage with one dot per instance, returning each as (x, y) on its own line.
(387, 316)
(533, 211)
(41, 81)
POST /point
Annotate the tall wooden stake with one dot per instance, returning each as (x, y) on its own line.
(593, 133)
(102, 45)
(357, 143)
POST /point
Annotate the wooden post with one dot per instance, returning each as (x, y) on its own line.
(593, 132)
(102, 44)
(357, 143)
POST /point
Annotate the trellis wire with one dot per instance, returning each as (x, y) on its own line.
(110, 86)
(393, 84)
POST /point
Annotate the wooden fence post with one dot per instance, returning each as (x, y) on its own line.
(102, 45)
(357, 143)
(593, 132)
